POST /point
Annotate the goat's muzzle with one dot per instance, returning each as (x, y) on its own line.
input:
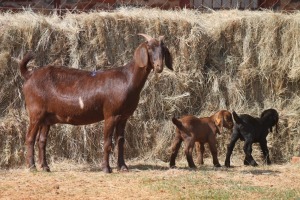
(158, 69)
(229, 125)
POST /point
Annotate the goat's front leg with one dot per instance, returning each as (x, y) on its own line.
(230, 147)
(120, 140)
(175, 148)
(42, 141)
(265, 151)
(109, 126)
(213, 149)
(248, 151)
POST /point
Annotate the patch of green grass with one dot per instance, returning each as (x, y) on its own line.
(195, 185)
(265, 192)
(189, 186)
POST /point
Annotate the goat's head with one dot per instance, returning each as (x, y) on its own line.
(223, 118)
(152, 53)
(270, 118)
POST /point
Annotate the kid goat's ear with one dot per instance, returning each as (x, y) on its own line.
(219, 122)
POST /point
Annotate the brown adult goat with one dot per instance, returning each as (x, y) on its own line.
(70, 96)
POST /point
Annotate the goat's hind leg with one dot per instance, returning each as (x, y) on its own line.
(30, 142)
(175, 148)
(120, 140)
(42, 141)
(249, 160)
(188, 149)
(109, 127)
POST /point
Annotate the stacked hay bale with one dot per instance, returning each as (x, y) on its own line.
(236, 60)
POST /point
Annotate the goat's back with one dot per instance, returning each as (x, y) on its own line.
(200, 128)
(251, 125)
(68, 83)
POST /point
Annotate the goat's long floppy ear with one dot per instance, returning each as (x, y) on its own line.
(236, 118)
(277, 122)
(168, 58)
(166, 53)
(141, 55)
(219, 121)
(276, 125)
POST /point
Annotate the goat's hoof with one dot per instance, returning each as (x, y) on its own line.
(253, 163)
(123, 168)
(217, 165)
(227, 164)
(46, 169)
(246, 163)
(107, 170)
(173, 167)
(32, 168)
(193, 166)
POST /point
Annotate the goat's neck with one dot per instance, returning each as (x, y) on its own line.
(138, 76)
(265, 120)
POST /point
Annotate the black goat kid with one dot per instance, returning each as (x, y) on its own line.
(252, 130)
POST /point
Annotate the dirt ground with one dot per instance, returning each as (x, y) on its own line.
(152, 180)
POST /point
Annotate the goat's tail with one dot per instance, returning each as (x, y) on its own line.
(177, 123)
(23, 65)
(236, 118)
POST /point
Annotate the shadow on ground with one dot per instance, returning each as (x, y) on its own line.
(260, 172)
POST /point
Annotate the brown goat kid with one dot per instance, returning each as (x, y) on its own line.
(55, 94)
(191, 129)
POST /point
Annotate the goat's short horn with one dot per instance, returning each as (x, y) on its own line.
(161, 37)
(148, 38)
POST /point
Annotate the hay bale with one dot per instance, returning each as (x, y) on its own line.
(242, 60)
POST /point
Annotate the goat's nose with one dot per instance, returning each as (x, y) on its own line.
(158, 68)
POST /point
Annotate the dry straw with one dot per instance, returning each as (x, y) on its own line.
(245, 61)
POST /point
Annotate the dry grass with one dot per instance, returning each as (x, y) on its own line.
(152, 180)
(237, 60)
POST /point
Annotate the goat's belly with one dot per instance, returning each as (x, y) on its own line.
(83, 114)
(79, 119)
